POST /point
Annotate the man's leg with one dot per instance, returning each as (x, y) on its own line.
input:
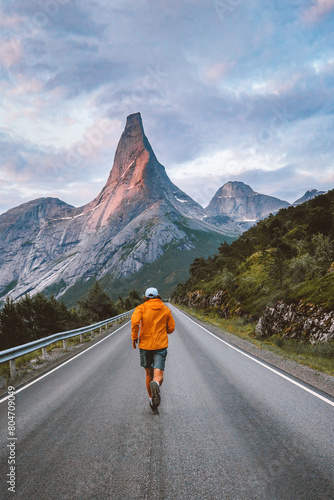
(158, 375)
(159, 360)
(149, 378)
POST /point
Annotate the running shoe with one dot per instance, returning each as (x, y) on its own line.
(154, 408)
(154, 386)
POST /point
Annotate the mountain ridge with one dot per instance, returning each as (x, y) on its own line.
(137, 218)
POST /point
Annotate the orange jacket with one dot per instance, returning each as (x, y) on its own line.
(155, 321)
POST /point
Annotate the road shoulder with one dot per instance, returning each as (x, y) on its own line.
(30, 371)
(314, 378)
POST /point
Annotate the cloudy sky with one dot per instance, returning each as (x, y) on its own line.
(227, 89)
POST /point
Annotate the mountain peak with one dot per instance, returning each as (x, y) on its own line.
(132, 145)
(134, 124)
(235, 188)
(238, 201)
(137, 181)
(309, 195)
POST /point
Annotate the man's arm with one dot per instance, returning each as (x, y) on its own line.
(135, 324)
(134, 343)
(170, 323)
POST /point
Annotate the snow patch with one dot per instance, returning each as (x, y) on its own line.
(70, 218)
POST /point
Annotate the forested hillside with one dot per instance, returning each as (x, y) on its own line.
(287, 257)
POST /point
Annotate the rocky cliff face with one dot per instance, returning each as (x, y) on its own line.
(297, 321)
(219, 301)
(239, 202)
(136, 219)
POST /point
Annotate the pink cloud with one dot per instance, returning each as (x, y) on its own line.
(25, 86)
(10, 21)
(217, 70)
(11, 52)
(318, 10)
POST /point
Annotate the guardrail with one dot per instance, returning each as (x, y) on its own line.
(15, 352)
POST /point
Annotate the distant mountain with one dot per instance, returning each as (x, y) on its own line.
(309, 195)
(239, 202)
(141, 229)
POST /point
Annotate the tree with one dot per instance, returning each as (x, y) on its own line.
(303, 267)
(32, 318)
(97, 306)
(198, 269)
(26, 311)
(320, 220)
(50, 316)
(135, 298)
(12, 328)
(323, 249)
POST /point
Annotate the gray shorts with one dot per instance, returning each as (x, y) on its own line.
(154, 359)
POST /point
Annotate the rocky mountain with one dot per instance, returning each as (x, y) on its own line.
(137, 181)
(140, 230)
(140, 218)
(309, 195)
(240, 203)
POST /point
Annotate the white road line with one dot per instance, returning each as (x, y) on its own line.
(260, 363)
(65, 363)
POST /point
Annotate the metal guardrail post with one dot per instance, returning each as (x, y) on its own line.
(44, 353)
(12, 368)
(65, 344)
(81, 338)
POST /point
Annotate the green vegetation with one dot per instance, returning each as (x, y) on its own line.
(9, 287)
(54, 289)
(77, 292)
(288, 257)
(284, 257)
(97, 306)
(167, 271)
(32, 318)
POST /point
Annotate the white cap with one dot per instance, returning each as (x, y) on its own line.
(151, 292)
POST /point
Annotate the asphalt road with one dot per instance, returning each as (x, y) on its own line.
(229, 428)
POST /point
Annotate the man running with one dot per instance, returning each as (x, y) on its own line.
(155, 321)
